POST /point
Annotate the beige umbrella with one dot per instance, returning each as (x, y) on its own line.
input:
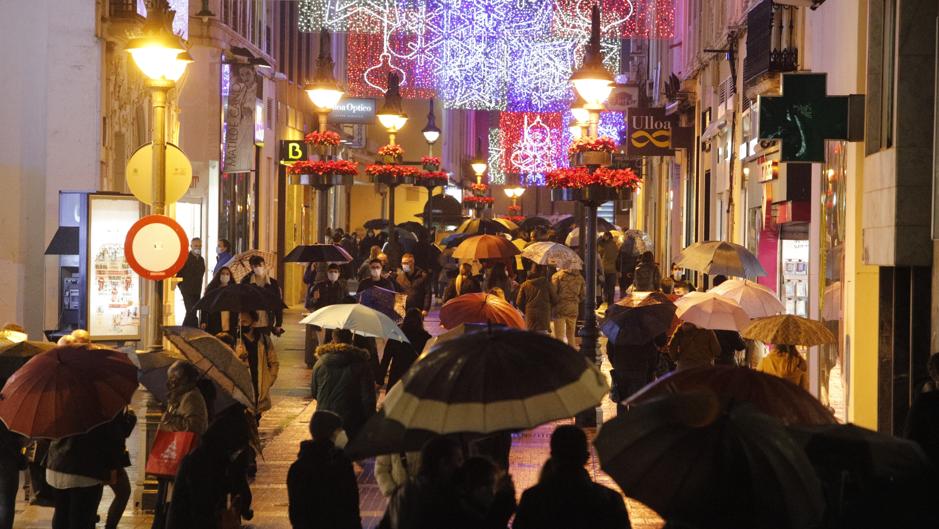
(710, 311)
(787, 329)
(240, 267)
(756, 299)
(721, 257)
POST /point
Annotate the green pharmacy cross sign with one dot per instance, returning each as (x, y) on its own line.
(803, 117)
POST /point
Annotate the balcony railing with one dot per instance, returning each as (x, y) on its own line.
(771, 44)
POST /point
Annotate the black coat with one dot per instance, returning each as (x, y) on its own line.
(566, 498)
(385, 283)
(468, 286)
(731, 342)
(424, 504)
(93, 454)
(417, 287)
(326, 293)
(275, 317)
(191, 274)
(405, 354)
(342, 382)
(200, 493)
(322, 489)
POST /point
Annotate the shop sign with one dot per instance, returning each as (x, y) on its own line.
(293, 151)
(769, 170)
(354, 110)
(652, 133)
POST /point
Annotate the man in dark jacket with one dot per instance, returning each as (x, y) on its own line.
(343, 383)
(321, 483)
(270, 321)
(190, 287)
(330, 291)
(414, 282)
(647, 277)
(377, 278)
(566, 497)
(432, 499)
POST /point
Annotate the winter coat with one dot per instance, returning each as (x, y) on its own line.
(423, 503)
(93, 454)
(566, 498)
(404, 354)
(647, 277)
(536, 297)
(633, 366)
(609, 251)
(467, 285)
(192, 273)
(783, 365)
(392, 471)
(694, 347)
(326, 293)
(268, 367)
(342, 382)
(272, 318)
(417, 287)
(186, 412)
(322, 489)
(571, 288)
(200, 492)
(220, 261)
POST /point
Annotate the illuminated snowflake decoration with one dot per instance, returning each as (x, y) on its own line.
(494, 162)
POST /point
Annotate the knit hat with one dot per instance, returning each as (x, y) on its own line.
(323, 424)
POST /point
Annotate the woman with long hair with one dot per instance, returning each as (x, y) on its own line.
(223, 321)
(784, 361)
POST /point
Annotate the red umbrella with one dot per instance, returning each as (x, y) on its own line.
(770, 394)
(480, 308)
(485, 247)
(67, 391)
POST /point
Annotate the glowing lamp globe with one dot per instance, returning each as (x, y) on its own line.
(431, 135)
(389, 121)
(576, 131)
(400, 121)
(479, 167)
(593, 83)
(324, 96)
(580, 111)
(179, 66)
(156, 56)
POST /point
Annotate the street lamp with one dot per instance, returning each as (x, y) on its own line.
(514, 193)
(324, 92)
(431, 131)
(391, 116)
(581, 117)
(592, 80)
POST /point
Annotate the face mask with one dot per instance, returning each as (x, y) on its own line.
(332, 276)
(219, 250)
(406, 268)
(341, 439)
(224, 279)
(376, 273)
(259, 271)
(196, 251)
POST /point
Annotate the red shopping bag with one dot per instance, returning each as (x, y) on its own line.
(168, 451)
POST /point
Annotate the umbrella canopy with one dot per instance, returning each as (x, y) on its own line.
(639, 240)
(786, 329)
(848, 447)
(152, 368)
(486, 382)
(67, 391)
(218, 361)
(485, 247)
(638, 323)
(456, 332)
(239, 298)
(721, 257)
(480, 308)
(480, 226)
(381, 435)
(554, 254)
(573, 238)
(757, 300)
(15, 354)
(563, 226)
(240, 267)
(388, 302)
(534, 222)
(405, 235)
(507, 223)
(770, 394)
(416, 228)
(710, 311)
(318, 253)
(692, 462)
(376, 224)
(357, 318)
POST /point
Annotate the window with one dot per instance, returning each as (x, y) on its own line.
(889, 51)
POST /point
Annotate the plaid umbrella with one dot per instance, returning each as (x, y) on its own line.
(240, 267)
(786, 329)
(218, 361)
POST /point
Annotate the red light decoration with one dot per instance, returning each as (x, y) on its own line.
(368, 67)
(537, 152)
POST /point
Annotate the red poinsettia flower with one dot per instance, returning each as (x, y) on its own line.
(601, 144)
(476, 199)
(328, 138)
(515, 209)
(578, 177)
(479, 188)
(395, 151)
(430, 160)
(325, 167)
(392, 171)
(440, 176)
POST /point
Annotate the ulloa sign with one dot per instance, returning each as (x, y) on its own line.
(650, 132)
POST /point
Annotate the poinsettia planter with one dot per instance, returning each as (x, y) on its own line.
(595, 194)
(324, 152)
(392, 181)
(326, 181)
(388, 159)
(431, 167)
(592, 158)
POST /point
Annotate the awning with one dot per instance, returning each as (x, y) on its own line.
(64, 242)
(713, 129)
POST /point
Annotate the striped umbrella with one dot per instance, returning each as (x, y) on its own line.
(787, 329)
(492, 381)
(720, 257)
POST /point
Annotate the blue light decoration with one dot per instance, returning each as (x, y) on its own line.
(494, 169)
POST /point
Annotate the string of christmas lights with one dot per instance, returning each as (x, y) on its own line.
(494, 168)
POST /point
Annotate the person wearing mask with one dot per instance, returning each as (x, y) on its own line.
(342, 381)
(571, 288)
(12, 461)
(647, 277)
(190, 286)
(223, 254)
(363, 272)
(432, 499)
(692, 346)
(609, 252)
(565, 496)
(403, 354)
(784, 361)
(268, 321)
(221, 321)
(377, 278)
(536, 299)
(463, 283)
(330, 291)
(321, 484)
(255, 349)
(415, 283)
(497, 276)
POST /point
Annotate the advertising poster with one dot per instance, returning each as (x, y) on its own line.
(240, 86)
(113, 288)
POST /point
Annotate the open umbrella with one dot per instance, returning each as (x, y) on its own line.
(532, 223)
(240, 267)
(480, 308)
(640, 322)
(376, 224)
(381, 435)
(573, 238)
(357, 318)
(480, 226)
(694, 462)
(563, 226)
(485, 247)
(757, 300)
(218, 361)
(15, 354)
(318, 253)
(770, 394)
(491, 381)
(239, 298)
(456, 332)
(67, 391)
(641, 242)
(416, 228)
(152, 368)
(507, 223)
(786, 329)
(710, 311)
(720, 257)
(554, 254)
(388, 302)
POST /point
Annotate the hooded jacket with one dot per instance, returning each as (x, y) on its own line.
(566, 498)
(783, 365)
(570, 288)
(322, 489)
(342, 383)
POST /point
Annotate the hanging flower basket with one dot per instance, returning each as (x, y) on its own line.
(325, 173)
(325, 144)
(391, 174)
(598, 186)
(477, 202)
(592, 152)
(592, 158)
(430, 163)
(390, 153)
(432, 179)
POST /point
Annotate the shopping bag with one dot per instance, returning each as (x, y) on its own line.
(168, 451)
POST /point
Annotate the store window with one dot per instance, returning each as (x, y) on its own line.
(832, 379)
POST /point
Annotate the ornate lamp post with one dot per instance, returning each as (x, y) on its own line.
(432, 177)
(479, 197)
(392, 117)
(581, 117)
(431, 131)
(160, 55)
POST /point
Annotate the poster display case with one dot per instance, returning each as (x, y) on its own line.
(113, 289)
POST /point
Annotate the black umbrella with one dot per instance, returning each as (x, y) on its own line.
(318, 253)
(563, 227)
(454, 239)
(376, 224)
(482, 226)
(381, 435)
(532, 223)
(414, 227)
(850, 448)
(638, 323)
(693, 463)
(239, 298)
(492, 381)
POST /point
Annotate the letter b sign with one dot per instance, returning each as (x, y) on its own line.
(292, 151)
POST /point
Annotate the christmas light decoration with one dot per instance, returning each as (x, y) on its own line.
(532, 142)
(371, 57)
(495, 169)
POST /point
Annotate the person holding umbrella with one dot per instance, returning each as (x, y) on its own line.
(268, 321)
(343, 382)
(692, 346)
(536, 298)
(330, 291)
(214, 322)
(784, 361)
(254, 348)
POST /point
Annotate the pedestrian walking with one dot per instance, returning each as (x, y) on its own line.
(268, 321)
(487, 495)
(393, 471)
(192, 274)
(692, 346)
(415, 283)
(432, 499)
(342, 381)
(223, 254)
(222, 321)
(784, 361)
(120, 484)
(12, 461)
(609, 253)
(565, 496)
(377, 278)
(402, 354)
(571, 288)
(321, 484)
(647, 277)
(255, 348)
(497, 276)
(536, 299)
(363, 272)
(332, 291)
(626, 262)
(463, 283)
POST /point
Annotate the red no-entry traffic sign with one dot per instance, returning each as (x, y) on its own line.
(156, 247)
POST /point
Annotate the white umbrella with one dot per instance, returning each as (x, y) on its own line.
(554, 254)
(710, 311)
(757, 300)
(357, 318)
(573, 238)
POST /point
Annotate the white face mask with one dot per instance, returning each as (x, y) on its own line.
(224, 279)
(341, 439)
(196, 251)
(259, 271)
(375, 273)
(407, 268)
(332, 276)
